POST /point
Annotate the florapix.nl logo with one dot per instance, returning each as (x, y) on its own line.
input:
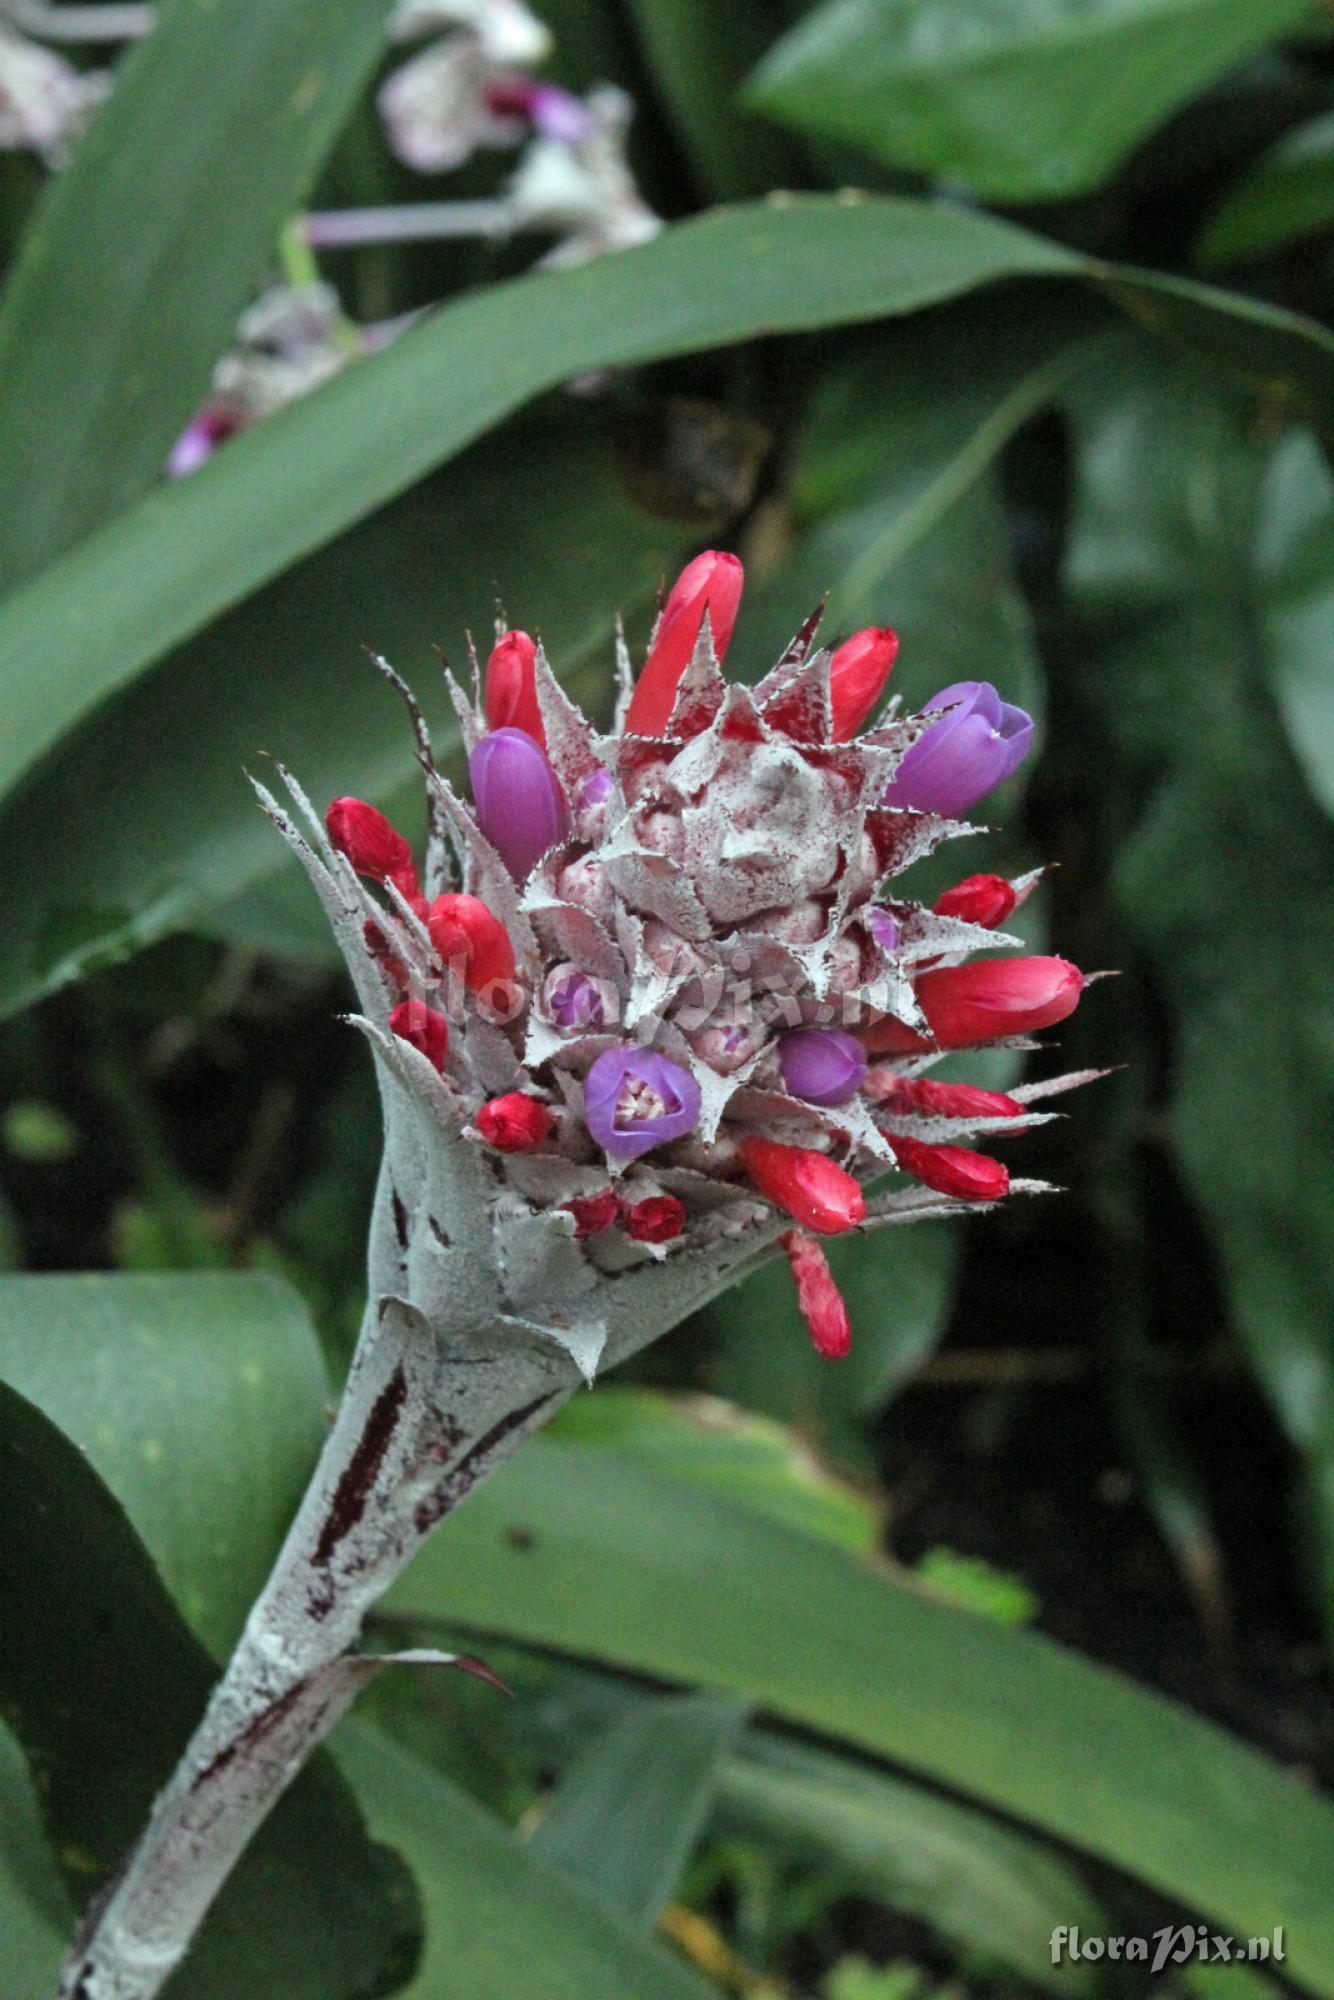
(1174, 1944)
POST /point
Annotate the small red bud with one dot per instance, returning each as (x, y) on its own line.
(919, 1097)
(952, 1170)
(983, 1001)
(462, 927)
(818, 1296)
(712, 583)
(511, 687)
(371, 844)
(857, 675)
(981, 899)
(808, 1185)
(424, 1027)
(656, 1219)
(594, 1212)
(515, 1123)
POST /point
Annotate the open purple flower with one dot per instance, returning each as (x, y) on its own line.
(635, 1099)
(574, 1000)
(821, 1065)
(520, 806)
(966, 754)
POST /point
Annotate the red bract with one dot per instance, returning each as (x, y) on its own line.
(857, 676)
(424, 1027)
(919, 1097)
(952, 1170)
(462, 928)
(981, 899)
(809, 1186)
(656, 1219)
(511, 689)
(594, 1212)
(982, 1001)
(371, 844)
(711, 582)
(818, 1296)
(515, 1123)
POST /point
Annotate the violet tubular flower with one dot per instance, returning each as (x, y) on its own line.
(822, 1065)
(520, 806)
(635, 1099)
(974, 747)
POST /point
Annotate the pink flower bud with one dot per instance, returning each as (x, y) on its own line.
(711, 582)
(919, 1097)
(462, 928)
(818, 1296)
(952, 1170)
(980, 899)
(808, 1185)
(657, 1219)
(371, 844)
(520, 806)
(424, 1027)
(515, 1123)
(594, 1212)
(857, 676)
(511, 689)
(982, 1001)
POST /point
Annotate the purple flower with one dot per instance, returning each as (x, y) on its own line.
(635, 1099)
(558, 115)
(595, 789)
(520, 806)
(886, 930)
(964, 755)
(821, 1065)
(574, 1000)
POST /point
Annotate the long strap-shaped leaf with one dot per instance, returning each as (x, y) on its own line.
(163, 569)
(149, 245)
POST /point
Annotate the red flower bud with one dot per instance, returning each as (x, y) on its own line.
(711, 582)
(808, 1185)
(425, 1027)
(857, 676)
(594, 1212)
(462, 927)
(919, 1097)
(371, 844)
(511, 690)
(818, 1296)
(982, 1001)
(656, 1219)
(952, 1170)
(515, 1123)
(981, 899)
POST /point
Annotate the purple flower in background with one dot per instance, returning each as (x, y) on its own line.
(821, 1065)
(635, 1099)
(520, 806)
(574, 1000)
(967, 753)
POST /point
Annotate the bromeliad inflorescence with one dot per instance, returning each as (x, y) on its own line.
(666, 988)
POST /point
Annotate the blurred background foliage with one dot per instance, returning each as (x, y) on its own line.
(1003, 321)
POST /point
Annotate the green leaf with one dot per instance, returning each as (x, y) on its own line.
(983, 1887)
(102, 1682)
(35, 1914)
(1287, 194)
(499, 1925)
(1295, 551)
(1023, 100)
(129, 1365)
(726, 1450)
(699, 57)
(586, 1552)
(171, 563)
(133, 273)
(155, 785)
(628, 1812)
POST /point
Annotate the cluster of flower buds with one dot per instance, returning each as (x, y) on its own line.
(672, 997)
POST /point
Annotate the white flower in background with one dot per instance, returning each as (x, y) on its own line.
(582, 189)
(44, 101)
(504, 29)
(293, 338)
